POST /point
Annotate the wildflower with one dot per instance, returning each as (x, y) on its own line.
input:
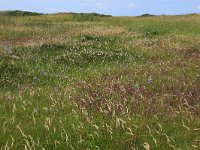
(149, 81)
(43, 73)
(34, 78)
(8, 97)
(94, 95)
(36, 110)
(7, 51)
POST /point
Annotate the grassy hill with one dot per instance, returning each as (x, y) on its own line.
(18, 13)
(69, 82)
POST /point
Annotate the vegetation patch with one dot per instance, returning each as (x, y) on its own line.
(147, 15)
(13, 75)
(88, 16)
(18, 13)
(153, 31)
(52, 47)
(189, 52)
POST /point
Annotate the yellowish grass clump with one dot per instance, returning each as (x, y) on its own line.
(103, 31)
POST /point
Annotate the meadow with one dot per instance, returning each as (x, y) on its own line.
(72, 81)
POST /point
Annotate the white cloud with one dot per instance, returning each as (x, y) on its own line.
(131, 5)
(99, 5)
(198, 7)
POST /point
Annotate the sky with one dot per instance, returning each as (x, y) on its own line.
(110, 7)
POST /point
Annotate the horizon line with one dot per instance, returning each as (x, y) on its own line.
(51, 13)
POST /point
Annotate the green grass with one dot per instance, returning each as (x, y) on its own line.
(72, 81)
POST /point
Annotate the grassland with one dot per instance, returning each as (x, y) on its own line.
(79, 82)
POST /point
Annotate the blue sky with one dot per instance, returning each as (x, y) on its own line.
(112, 7)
